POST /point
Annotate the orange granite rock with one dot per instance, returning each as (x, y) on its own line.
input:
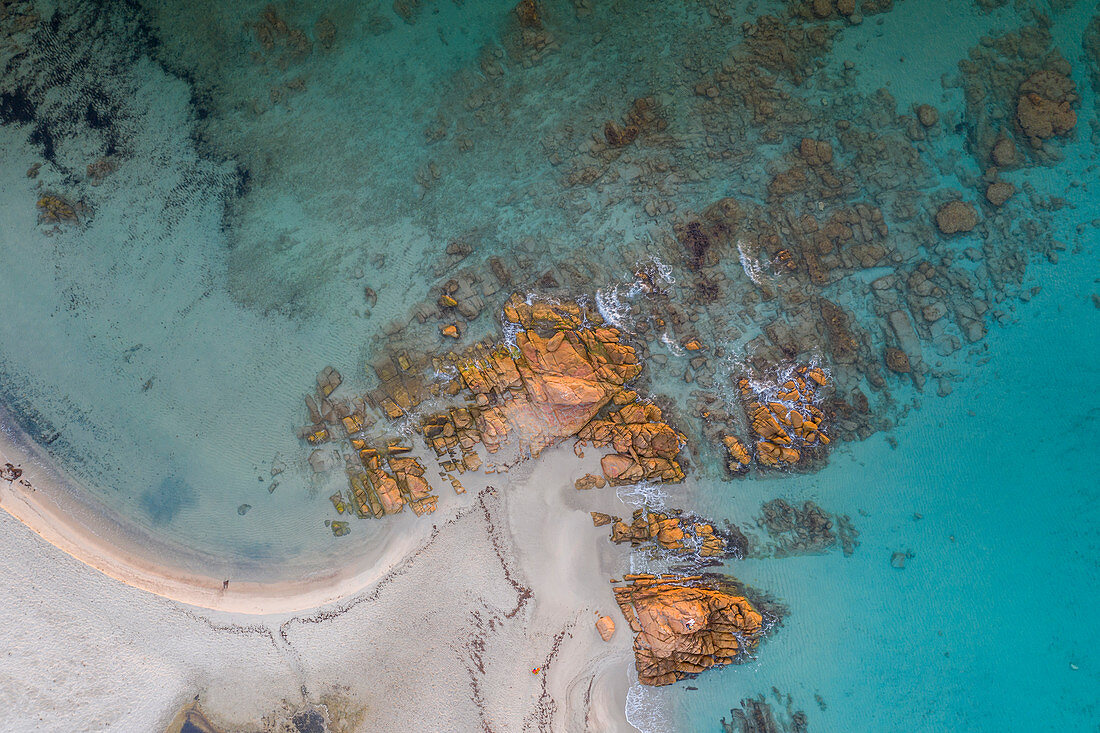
(675, 532)
(784, 418)
(685, 625)
(588, 481)
(645, 446)
(563, 369)
(606, 627)
(599, 519)
(739, 455)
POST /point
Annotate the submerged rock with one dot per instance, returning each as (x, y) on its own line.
(928, 115)
(1044, 108)
(757, 715)
(956, 216)
(805, 529)
(55, 209)
(998, 192)
(897, 361)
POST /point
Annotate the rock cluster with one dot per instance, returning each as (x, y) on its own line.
(376, 492)
(645, 446)
(564, 368)
(674, 531)
(785, 419)
(806, 530)
(643, 116)
(757, 715)
(1044, 107)
(55, 209)
(372, 489)
(685, 625)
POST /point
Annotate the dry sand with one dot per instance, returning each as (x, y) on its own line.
(442, 630)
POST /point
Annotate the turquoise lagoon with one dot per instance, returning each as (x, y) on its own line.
(159, 349)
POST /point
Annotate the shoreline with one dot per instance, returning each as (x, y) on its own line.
(93, 536)
(552, 567)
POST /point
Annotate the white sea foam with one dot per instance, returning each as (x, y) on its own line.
(611, 307)
(672, 345)
(663, 270)
(645, 710)
(642, 494)
(750, 265)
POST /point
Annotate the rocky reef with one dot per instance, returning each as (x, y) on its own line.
(781, 530)
(687, 624)
(785, 418)
(680, 534)
(759, 715)
(803, 530)
(560, 372)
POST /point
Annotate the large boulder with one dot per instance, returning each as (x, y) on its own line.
(685, 625)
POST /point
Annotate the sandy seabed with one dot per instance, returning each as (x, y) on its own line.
(440, 632)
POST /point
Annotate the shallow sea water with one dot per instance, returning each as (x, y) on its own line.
(162, 346)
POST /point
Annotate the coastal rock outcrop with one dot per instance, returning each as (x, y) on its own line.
(784, 416)
(645, 446)
(685, 625)
(678, 533)
(563, 368)
(557, 371)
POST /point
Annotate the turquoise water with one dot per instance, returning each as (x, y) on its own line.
(263, 171)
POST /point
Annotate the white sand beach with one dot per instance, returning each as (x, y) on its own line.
(443, 628)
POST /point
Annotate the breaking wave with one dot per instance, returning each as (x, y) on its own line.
(645, 710)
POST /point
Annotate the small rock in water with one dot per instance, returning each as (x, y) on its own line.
(928, 115)
(243, 509)
(898, 560)
(956, 216)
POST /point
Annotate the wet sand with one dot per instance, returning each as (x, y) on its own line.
(445, 626)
